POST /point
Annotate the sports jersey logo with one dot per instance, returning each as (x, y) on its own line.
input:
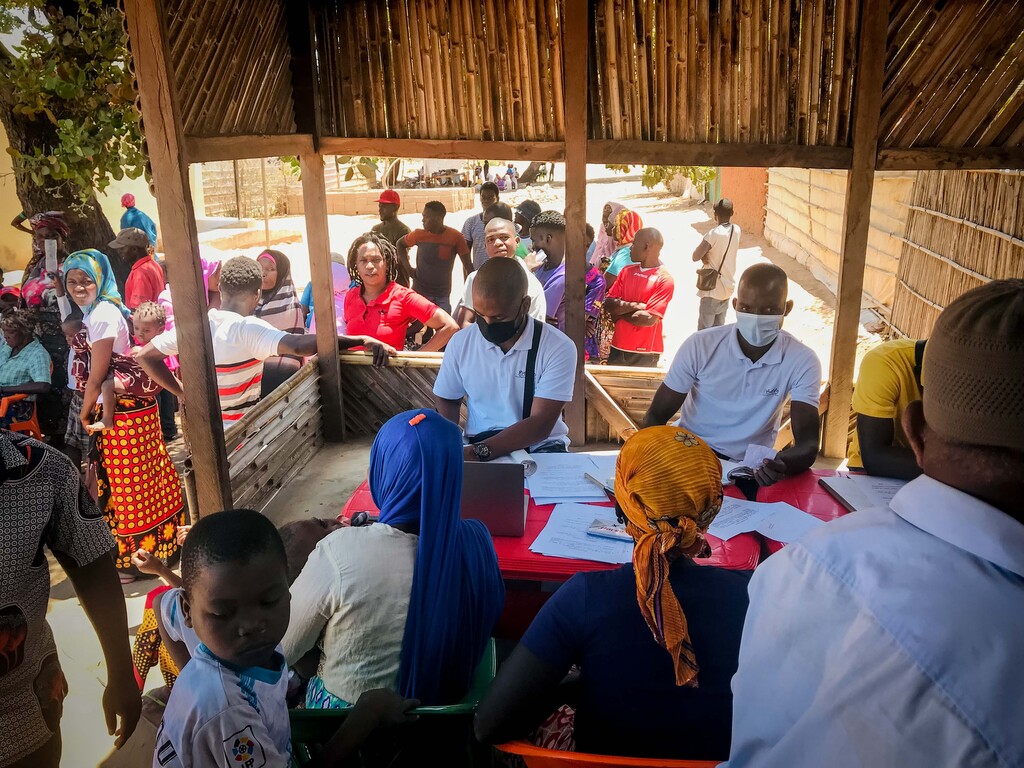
(243, 750)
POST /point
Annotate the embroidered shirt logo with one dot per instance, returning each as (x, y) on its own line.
(243, 750)
(771, 392)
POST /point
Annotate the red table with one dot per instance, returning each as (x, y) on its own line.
(742, 552)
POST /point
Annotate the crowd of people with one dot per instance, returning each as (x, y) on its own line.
(886, 637)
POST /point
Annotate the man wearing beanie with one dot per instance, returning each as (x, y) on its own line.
(892, 636)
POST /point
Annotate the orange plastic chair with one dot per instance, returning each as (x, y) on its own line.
(539, 757)
(31, 426)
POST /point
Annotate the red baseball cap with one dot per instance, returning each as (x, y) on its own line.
(389, 196)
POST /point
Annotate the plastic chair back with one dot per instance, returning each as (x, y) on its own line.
(31, 425)
(540, 757)
(311, 727)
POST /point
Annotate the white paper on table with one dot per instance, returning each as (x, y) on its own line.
(562, 476)
(518, 457)
(727, 467)
(756, 454)
(605, 461)
(565, 535)
(864, 491)
(778, 521)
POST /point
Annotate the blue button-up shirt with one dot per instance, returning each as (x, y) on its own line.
(31, 365)
(890, 637)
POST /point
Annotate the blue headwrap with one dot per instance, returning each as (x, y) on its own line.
(96, 266)
(457, 592)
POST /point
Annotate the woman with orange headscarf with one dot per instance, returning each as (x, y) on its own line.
(656, 641)
(622, 230)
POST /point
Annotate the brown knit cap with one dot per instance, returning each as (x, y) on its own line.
(974, 368)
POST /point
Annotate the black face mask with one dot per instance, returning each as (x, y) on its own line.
(499, 331)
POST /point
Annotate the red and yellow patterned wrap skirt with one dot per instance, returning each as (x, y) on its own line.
(144, 500)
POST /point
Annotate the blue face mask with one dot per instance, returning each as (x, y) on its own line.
(758, 330)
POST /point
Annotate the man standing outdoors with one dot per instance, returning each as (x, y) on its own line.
(390, 227)
(146, 279)
(637, 303)
(515, 373)
(732, 381)
(502, 241)
(549, 238)
(436, 248)
(717, 251)
(892, 636)
(43, 503)
(473, 229)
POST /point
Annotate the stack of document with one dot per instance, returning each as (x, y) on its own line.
(565, 535)
(777, 521)
(857, 492)
(562, 477)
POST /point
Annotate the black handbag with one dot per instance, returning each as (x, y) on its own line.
(707, 278)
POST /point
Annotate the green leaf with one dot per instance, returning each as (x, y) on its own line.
(349, 173)
(368, 170)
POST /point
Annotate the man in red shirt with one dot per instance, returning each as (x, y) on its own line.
(637, 302)
(146, 279)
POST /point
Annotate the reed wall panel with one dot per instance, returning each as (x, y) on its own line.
(232, 66)
(964, 229)
(954, 74)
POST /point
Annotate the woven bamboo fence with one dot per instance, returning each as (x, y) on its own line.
(275, 439)
(232, 66)
(965, 228)
(804, 219)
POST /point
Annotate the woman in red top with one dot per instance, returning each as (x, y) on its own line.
(382, 308)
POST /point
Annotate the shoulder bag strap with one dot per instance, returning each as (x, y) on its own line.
(531, 368)
(732, 230)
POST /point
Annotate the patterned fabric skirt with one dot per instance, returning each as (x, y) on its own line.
(149, 650)
(138, 483)
(605, 331)
(318, 697)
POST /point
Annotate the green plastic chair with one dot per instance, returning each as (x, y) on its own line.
(313, 727)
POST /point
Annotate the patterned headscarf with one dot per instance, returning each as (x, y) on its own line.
(605, 246)
(627, 224)
(668, 483)
(97, 267)
(51, 220)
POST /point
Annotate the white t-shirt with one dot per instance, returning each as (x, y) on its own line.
(219, 716)
(534, 289)
(172, 617)
(718, 238)
(240, 345)
(494, 382)
(351, 599)
(732, 402)
(105, 321)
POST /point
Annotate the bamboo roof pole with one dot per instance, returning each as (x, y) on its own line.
(727, 127)
(660, 21)
(642, 41)
(375, 44)
(424, 107)
(502, 63)
(690, 126)
(432, 87)
(779, 76)
(814, 73)
(464, 105)
(822, 80)
(576, 22)
(524, 69)
(856, 220)
(479, 30)
(462, 49)
(792, 135)
(160, 110)
(765, 71)
(440, 61)
(837, 73)
(612, 71)
(849, 67)
(670, 36)
(230, 103)
(1006, 77)
(804, 94)
(598, 81)
(746, 70)
(757, 72)
(396, 71)
(702, 23)
(715, 74)
(537, 73)
(556, 19)
(389, 72)
(633, 37)
(513, 36)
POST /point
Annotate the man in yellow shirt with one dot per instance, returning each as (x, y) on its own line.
(889, 380)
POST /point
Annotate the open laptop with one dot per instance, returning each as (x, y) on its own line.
(494, 495)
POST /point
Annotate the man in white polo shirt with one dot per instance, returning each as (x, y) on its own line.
(515, 372)
(502, 240)
(732, 381)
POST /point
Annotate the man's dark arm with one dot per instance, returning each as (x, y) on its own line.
(524, 433)
(450, 409)
(664, 406)
(700, 253)
(28, 388)
(99, 591)
(877, 452)
(618, 308)
(403, 258)
(799, 456)
(154, 362)
(304, 345)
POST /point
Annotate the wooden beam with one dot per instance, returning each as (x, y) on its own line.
(575, 27)
(314, 198)
(547, 151)
(727, 155)
(610, 411)
(160, 110)
(867, 107)
(206, 149)
(950, 158)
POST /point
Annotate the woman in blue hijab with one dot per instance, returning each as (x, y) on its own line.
(409, 602)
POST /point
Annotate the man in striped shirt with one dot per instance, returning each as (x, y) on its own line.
(242, 342)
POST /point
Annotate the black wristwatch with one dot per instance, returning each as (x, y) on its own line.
(482, 451)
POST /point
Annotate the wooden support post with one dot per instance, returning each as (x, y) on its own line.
(575, 27)
(314, 200)
(874, 19)
(160, 111)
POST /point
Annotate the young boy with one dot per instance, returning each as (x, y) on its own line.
(637, 302)
(228, 706)
(149, 320)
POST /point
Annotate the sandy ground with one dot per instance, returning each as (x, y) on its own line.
(333, 474)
